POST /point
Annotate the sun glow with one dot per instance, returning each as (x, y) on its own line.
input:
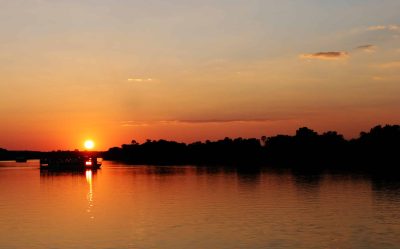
(89, 144)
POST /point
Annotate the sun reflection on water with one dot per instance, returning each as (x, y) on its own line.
(89, 195)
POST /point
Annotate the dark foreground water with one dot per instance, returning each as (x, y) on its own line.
(124, 206)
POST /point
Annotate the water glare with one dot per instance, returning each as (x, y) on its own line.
(89, 195)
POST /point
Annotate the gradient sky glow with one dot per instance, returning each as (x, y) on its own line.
(117, 70)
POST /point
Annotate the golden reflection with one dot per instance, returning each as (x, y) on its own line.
(89, 196)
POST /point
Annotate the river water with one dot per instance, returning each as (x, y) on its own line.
(122, 206)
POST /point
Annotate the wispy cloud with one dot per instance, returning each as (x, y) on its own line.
(338, 55)
(378, 78)
(367, 48)
(140, 79)
(202, 121)
(136, 123)
(392, 27)
(326, 55)
(376, 27)
(389, 65)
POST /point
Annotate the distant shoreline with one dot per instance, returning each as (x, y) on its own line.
(378, 149)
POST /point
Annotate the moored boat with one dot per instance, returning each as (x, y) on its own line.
(70, 162)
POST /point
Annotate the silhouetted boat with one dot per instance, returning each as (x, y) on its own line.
(70, 163)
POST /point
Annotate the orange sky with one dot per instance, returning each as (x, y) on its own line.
(117, 71)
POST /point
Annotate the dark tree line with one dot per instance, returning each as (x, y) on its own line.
(377, 150)
(13, 155)
(380, 147)
(24, 155)
(228, 150)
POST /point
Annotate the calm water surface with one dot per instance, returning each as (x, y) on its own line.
(124, 206)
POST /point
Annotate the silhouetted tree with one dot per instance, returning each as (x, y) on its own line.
(306, 150)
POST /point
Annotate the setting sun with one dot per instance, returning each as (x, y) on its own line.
(89, 144)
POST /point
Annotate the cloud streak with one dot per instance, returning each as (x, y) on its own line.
(134, 123)
(376, 27)
(326, 55)
(338, 55)
(390, 65)
(204, 121)
(367, 48)
(140, 79)
(392, 27)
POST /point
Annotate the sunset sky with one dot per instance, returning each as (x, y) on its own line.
(185, 70)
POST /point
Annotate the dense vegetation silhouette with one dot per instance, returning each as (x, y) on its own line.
(377, 150)
(17, 155)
